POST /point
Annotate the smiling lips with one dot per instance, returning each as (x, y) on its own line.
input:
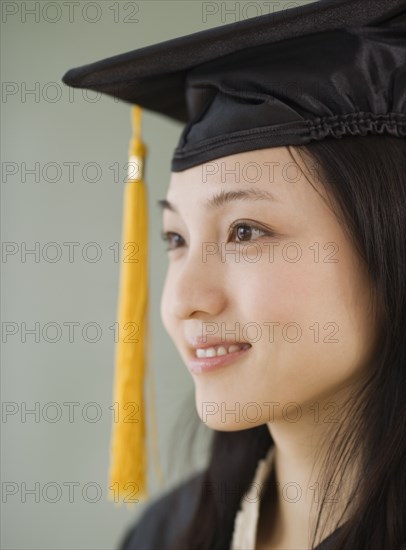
(209, 355)
(215, 351)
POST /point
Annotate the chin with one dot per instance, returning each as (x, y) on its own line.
(227, 415)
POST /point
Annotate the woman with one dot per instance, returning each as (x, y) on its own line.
(285, 293)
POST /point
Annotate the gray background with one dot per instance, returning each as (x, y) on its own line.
(45, 130)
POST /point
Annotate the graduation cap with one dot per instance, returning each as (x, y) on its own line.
(328, 69)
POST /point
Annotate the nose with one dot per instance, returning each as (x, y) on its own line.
(198, 287)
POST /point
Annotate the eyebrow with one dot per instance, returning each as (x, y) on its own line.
(224, 197)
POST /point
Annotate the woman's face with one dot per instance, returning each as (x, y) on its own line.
(257, 256)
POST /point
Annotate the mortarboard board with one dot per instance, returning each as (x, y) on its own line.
(329, 69)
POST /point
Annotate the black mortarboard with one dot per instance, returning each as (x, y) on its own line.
(327, 69)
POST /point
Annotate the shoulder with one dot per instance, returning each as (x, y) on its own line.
(164, 517)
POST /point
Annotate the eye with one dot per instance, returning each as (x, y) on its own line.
(245, 232)
(174, 240)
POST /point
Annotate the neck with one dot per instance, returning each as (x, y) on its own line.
(300, 451)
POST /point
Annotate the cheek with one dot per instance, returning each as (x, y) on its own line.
(284, 292)
(167, 321)
(321, 334)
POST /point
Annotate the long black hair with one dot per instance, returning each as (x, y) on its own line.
(366, 177)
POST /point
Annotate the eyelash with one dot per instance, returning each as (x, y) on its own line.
(166, 236)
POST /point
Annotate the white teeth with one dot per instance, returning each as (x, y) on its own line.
(219, 350)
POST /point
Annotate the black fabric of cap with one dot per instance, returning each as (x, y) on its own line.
(327, 69)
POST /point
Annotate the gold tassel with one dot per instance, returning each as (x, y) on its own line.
(128, 470)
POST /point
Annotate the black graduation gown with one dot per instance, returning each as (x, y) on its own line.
(162, 520)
